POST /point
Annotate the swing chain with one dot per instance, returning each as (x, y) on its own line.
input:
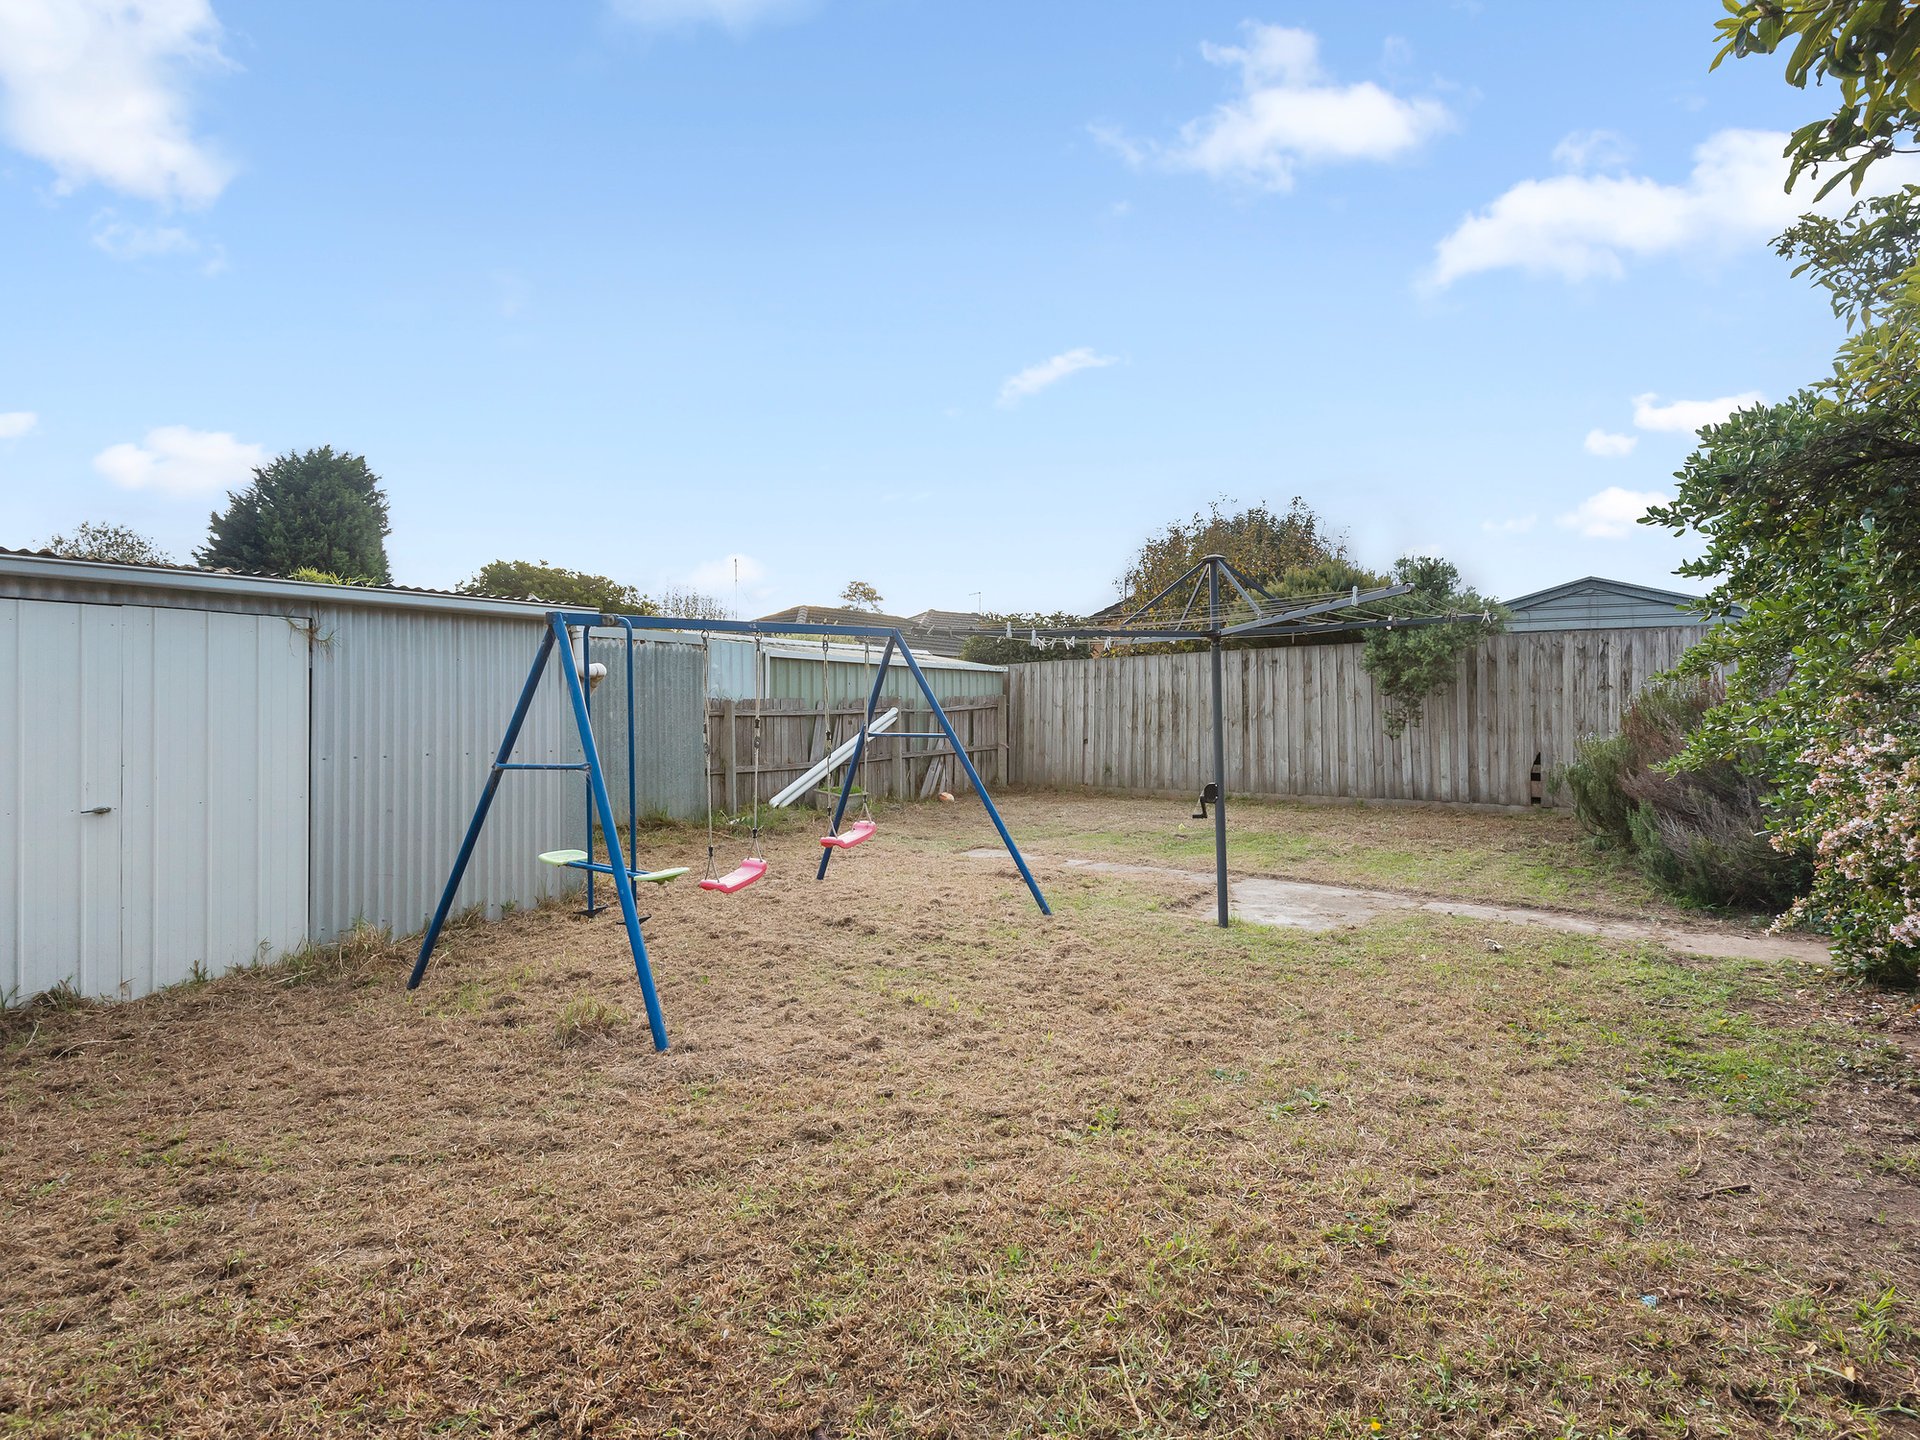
(758, 686)
(706, 738)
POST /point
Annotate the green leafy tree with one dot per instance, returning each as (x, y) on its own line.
(1261, 544)
(859, 595)
(1409, 665)
(997, 647)
(1868, 262)
(554, 585)
(1809, 517)
(689, 604)
(1810, 512)
(1869, 48)
(122, 543)
(314, 509)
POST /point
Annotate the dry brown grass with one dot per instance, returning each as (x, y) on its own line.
(920, 1162)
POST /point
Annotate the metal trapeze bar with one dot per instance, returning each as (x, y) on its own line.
(727, 627)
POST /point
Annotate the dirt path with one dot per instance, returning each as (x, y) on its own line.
(1306, 905)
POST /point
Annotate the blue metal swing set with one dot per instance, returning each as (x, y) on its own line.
(625, 871)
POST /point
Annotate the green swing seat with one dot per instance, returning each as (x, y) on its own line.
(578, 860)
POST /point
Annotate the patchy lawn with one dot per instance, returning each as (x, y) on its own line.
(921, 1162)
(1535, 857)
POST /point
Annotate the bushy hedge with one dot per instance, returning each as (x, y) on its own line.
(1701, 834)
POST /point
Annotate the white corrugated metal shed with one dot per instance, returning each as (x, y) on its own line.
(409, 694)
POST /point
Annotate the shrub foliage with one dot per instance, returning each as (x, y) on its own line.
(1699, 832)
(1409, 665)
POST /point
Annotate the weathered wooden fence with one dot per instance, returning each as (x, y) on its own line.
(794, 734)
(1307, 720)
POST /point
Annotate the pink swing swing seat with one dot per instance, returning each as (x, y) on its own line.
(748, 871)
(855, 834)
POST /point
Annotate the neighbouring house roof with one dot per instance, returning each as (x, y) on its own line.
(937, 632)
(1594, 602)
(967, 620)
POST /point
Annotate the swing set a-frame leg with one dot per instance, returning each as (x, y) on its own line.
(966, 763)
(610, 832)
(853, 765)
(474, 826)
(597, 784)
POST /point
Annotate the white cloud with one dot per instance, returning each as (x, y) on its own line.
(125, 241)
(1289, 113)
(1689, 415)
(1591, 150)
(181, 462)
(15, 423)
(1578, 225)
(98, 90)
(1612, 514)
(1518, 525)
(1035, 378)
(734, 15)
(1608, 445)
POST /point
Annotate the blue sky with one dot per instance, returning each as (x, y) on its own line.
(953, 298)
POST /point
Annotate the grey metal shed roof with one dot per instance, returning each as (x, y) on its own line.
(1593, 584)
(1594, 602)
(44, 565)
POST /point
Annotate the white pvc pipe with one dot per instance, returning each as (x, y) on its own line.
(839, 757)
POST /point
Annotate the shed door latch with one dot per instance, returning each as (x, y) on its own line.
(99, 810)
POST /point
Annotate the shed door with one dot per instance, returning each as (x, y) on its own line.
(153, 794)
(60, 713)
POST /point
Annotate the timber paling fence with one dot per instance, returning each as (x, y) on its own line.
(1307, 720)
(795, 733)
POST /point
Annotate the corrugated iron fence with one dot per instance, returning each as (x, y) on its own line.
(1307, 720)
(666, 703)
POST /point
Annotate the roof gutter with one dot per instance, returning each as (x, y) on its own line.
(181, 581)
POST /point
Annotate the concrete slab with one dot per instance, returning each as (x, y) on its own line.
(1305, 905)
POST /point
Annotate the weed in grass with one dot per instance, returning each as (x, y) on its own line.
(1304, 1100)
(351, 959)
(586, 1017)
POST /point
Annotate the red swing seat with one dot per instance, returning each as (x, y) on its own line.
(855, 834)
(748, 871)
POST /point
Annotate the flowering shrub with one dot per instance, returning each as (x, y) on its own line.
(1862, 820)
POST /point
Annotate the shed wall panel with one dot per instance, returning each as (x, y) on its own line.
(668, 712)
(408, 711)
